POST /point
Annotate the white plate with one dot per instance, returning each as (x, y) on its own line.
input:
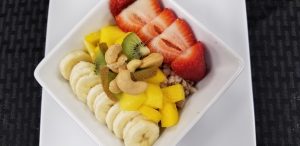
(249, 117)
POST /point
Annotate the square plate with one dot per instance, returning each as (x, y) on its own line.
(224, 61)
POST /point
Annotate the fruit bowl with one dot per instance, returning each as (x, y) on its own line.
(224, 66)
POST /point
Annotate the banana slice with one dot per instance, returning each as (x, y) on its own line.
(121, 121)
(84, 85)
(142, 133)
(111, 115)
(93, 93)
(131, 123)
(79, 70)
(101, 106)
(70, 60)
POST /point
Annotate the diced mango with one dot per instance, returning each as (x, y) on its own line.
(120, 39)
(92, 50)
(175, 92)
(158, 78)
(154, 96)
(131, 102)
(150, 113)
(93, 37)
(110, 34)
(169, 114)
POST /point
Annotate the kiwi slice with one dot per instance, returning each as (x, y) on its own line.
(133, 47)
(100, 59)
(104, 75)
(144, 74)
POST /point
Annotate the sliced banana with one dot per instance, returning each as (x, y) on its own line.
(142, 133)
(79, 70)
(101, 106)
(121, 121)
(111, 115)
(84, 85)
(70, 60)
(93, 93)
(131, 123)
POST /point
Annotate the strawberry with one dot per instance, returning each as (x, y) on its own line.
(191, 64)
(159, 45)
(136, 15)
(116, 6)
(157, 25)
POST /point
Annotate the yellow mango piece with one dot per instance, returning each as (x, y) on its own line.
(131, 102)
(174, 93)
(92, 50)
(154, 96)
(120, 39)
(169, 114)
(150, 113)
(158, 78)
(93, 37)
(110, 34)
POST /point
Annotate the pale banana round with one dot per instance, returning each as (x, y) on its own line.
(84, 85)
(142, 133)
(101, 106)
(111, 115)
(70, 60)
(79, 70)
(93, 93)
(131, 123)
(121, 121)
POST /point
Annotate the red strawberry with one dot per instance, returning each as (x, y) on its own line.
(191, 64)
(138, 14)
(116, 6)
(157, 25)
(179, 34)
(159, 45)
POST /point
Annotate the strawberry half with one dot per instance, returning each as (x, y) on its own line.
(169, 53)
(138, 14)
(116, 6)
(157, 25)
(191, 65)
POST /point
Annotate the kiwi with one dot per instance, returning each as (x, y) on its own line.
(104, 75)
(133, 47)
(144, 74)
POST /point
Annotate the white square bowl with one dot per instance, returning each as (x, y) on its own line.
(224, 66)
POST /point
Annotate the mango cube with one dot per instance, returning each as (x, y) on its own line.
(120, 39)
(131, 102)
(93, 37)
(150, 113)
(158, 78)
(154, 96)
(169, 114)
(92, 49)
(175, 92)
(110, 34)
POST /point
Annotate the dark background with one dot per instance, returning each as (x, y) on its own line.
(275, 60)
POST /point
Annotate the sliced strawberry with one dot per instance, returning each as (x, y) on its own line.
(160, 46)
(116, 6)
(179, 35)
(136, 15)
(191, 64)
(157, 25)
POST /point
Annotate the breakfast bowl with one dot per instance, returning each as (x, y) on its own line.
(224, 65)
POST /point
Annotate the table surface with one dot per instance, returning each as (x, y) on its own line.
(229, 122)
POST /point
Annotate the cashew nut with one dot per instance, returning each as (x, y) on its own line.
(154, 59)
(112, 53)
(127, 85)
(119, 64)
(113, 87)
(133, 65)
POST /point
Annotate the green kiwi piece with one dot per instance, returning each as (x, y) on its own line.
(133, 47)
(104, 75)
(144, 74)
(100, 59)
